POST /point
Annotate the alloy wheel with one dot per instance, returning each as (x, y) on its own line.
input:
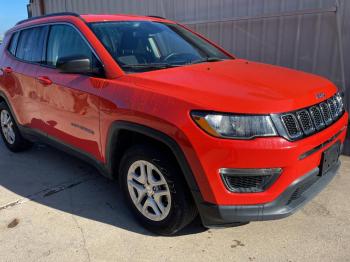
(7, 127)
(149, 190)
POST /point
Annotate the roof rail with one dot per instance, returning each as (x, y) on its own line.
(156, 16)
(49, 15)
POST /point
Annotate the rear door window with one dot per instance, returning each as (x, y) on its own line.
(13, 44)
(65, 41)
(31, 44)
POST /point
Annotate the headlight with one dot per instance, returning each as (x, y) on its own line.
(235, 126)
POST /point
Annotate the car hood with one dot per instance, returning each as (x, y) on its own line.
(238, 86)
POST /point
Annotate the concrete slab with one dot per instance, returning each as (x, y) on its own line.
(54, 207)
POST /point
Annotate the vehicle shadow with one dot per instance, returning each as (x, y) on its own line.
(60, 181)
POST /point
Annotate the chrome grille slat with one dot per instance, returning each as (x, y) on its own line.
(332, 107)
(310, 120)
(305, 122)
(337, 106)
(325, 110)
(291, 125)
(317, 118)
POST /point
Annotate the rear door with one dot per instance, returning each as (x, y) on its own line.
(70, 102)
(21, 63)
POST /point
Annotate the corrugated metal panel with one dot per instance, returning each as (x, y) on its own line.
(307, 42)
(35, 8)
(346, 44)
(104, 6)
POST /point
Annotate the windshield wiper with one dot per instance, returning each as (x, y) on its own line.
(150, 66)
(208, 59)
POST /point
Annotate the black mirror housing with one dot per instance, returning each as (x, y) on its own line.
(78, 65)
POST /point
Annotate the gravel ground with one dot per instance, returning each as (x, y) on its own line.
(56, 208)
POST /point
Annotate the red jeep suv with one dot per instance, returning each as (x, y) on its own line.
(184, 126)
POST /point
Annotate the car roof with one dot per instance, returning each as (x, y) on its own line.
(91, 18)
(87, 18)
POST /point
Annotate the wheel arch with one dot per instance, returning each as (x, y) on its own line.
(123, 134)
(4, 99)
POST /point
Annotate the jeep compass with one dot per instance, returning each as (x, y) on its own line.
(185, 127)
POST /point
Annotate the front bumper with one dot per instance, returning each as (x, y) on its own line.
(293, 198)
(294, 158)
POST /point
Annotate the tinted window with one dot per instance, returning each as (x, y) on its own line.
(142, 43)
(31, 44)
(65, 41)
(13, 44)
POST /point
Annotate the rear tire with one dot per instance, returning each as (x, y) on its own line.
(158, 196)
(10, 132)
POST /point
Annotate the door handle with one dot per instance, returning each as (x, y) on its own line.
(44, 80)
(7, 70)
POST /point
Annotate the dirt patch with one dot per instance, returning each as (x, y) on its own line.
(237, 243)
(13, 223)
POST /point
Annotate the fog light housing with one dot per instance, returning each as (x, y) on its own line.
(249, 180)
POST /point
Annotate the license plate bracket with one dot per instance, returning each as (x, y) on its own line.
(330, 158)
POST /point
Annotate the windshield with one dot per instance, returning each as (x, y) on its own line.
(144, 46)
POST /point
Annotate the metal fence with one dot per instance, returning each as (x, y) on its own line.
(310, 35)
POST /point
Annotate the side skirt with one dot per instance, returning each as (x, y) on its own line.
(34, 135)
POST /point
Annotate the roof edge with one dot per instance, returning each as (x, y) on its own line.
(49, 15)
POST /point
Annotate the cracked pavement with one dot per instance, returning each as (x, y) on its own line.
(54, 207)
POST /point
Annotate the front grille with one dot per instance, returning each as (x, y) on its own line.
(246, 184)
(316, 116)
(310, 120)
(336, 106)
(332, 107)
(325, 110)
(291, 124)
(305, 121)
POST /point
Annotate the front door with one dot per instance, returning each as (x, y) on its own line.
(69, 102)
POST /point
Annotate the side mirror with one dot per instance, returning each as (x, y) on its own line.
(78, 65)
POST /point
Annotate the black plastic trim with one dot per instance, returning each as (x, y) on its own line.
(319, 147)
(221, 216)
(35, 135)
(272, 173)
(117, 126)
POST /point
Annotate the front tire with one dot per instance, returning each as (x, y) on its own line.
(156, 191)
(10, 132)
